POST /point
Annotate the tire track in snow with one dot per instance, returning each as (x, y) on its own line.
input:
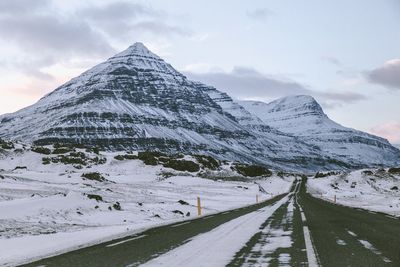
(219, 245)
(272, 244)
(279, 241)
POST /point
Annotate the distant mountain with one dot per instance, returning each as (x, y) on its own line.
(302, 117)
(137, 101)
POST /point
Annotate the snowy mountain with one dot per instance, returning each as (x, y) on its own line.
(137, 101)
(303, 117)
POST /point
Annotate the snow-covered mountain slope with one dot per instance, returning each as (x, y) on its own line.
(303, 117)
(135, 100)
(281, 142)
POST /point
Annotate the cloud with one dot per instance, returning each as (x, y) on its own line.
(200, 67)
(31, 67)
(244, 82)
(122, 19)
(390, 131)
(45, 39)
(331, 100)
(200, 37)
(21, 6)
(259, 13)
(86, 31)
(41, 35)
(331, 59)
(387, 75)
(248, 83)
(116, 11)
(159, 28)
(38, 32)
(344, 97)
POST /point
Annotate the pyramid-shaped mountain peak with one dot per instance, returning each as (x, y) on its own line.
(139, 45)
(299, 104)
(138, 49)
(137, 101)
(302, 98)
(296, 100)
(138, 56)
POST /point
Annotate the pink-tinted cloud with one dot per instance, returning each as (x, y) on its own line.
(26, 91)
(390, 131)
(387, 75)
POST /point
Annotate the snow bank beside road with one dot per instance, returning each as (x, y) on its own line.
(375, 190)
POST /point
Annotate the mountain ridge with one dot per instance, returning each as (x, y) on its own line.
(303, 117)
(137, 101)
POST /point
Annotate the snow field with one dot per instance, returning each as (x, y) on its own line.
(46, 209)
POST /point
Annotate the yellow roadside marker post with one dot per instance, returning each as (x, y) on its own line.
(257, 198)
(198, 206)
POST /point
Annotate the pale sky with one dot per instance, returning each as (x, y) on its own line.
(344, 53)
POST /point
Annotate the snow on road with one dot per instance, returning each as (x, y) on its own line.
(218, 247)
(276, 235)
(369, 246)
(311, 254)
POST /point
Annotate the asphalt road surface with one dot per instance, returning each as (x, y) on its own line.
(300, 230)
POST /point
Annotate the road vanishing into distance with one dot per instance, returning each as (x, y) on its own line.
(294, 229)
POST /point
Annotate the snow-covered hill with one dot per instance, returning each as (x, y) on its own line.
(302, 117)
(371, 189)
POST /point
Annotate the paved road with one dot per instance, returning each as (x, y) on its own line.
(136, 249)
(345, 236)
(300, 231)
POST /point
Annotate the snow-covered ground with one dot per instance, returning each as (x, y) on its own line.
(49, 209)
(375, 190)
